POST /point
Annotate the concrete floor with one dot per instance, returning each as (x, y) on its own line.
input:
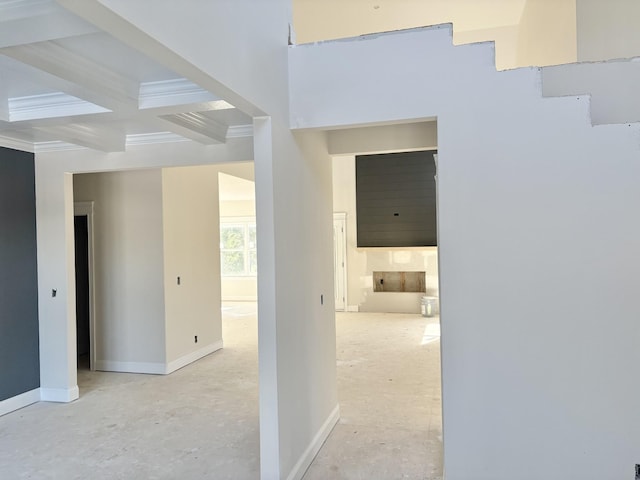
(202, 421)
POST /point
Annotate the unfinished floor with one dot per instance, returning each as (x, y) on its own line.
(202, 421)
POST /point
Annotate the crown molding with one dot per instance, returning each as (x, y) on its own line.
(155, 137)
(56, 146)
(200, 124)
(50, 105)
(177, 91)
(239, 131)
(16, 144)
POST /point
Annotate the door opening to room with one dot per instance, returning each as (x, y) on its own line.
(82, 242)
(388, 345)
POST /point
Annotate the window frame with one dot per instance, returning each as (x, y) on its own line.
(246, 223)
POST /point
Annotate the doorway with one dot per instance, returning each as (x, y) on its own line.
(83, 241)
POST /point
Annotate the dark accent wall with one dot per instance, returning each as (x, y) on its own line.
(396, 199)
(19, 355)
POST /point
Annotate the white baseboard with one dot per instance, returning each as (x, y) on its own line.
(193, 356)
(300, 468)
(151, 368)
(19, 401)
(62, 395)
(352, 308)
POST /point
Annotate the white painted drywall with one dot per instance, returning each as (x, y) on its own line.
(386, 138)
(128, 268)
(534, 366)
(547, 33)
(191, 239)
(612, 86)
(54, 218)
(362, 262)
(608, 30)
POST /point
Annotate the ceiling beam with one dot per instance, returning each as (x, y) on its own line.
(107, 20)
(95, 137)
(112, 90)
(19, 27)
(200, 124)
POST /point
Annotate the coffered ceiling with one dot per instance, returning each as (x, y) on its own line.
(66, 84)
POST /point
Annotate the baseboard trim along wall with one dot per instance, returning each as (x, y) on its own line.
(131, 367)
(193, 356)
(314, 447)
(62, 395)
(353, 308)
(12, 404)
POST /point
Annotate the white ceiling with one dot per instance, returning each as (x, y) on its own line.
(66, 84)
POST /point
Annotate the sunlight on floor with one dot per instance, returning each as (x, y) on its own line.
(431, 333)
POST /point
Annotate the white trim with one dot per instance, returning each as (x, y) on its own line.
(193, 356)
(56, 146)
(302, 465)
(86, 209)
(152, 368)
(154, 137)
(238, 131)
(12, 404)
(16, 144)
(61, 395)
(341, 217)
(353, 308)
(176, 91)
(50, 105)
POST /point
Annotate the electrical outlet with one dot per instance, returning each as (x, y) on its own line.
(637, 471)
(321, 299)
(54, 292)
(178, 280)
(195, 339)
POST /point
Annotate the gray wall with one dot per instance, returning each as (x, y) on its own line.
(19, 358)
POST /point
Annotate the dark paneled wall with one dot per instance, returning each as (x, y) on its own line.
(19, 357)
(396, 200)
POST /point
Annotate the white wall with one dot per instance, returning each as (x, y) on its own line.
(191, 239)
(608, 30)
(385, 138)
(529, 191)
(362, 262)
(54, 216)
(128, 273)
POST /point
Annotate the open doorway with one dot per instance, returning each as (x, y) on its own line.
(83, 246)
(388, 340)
